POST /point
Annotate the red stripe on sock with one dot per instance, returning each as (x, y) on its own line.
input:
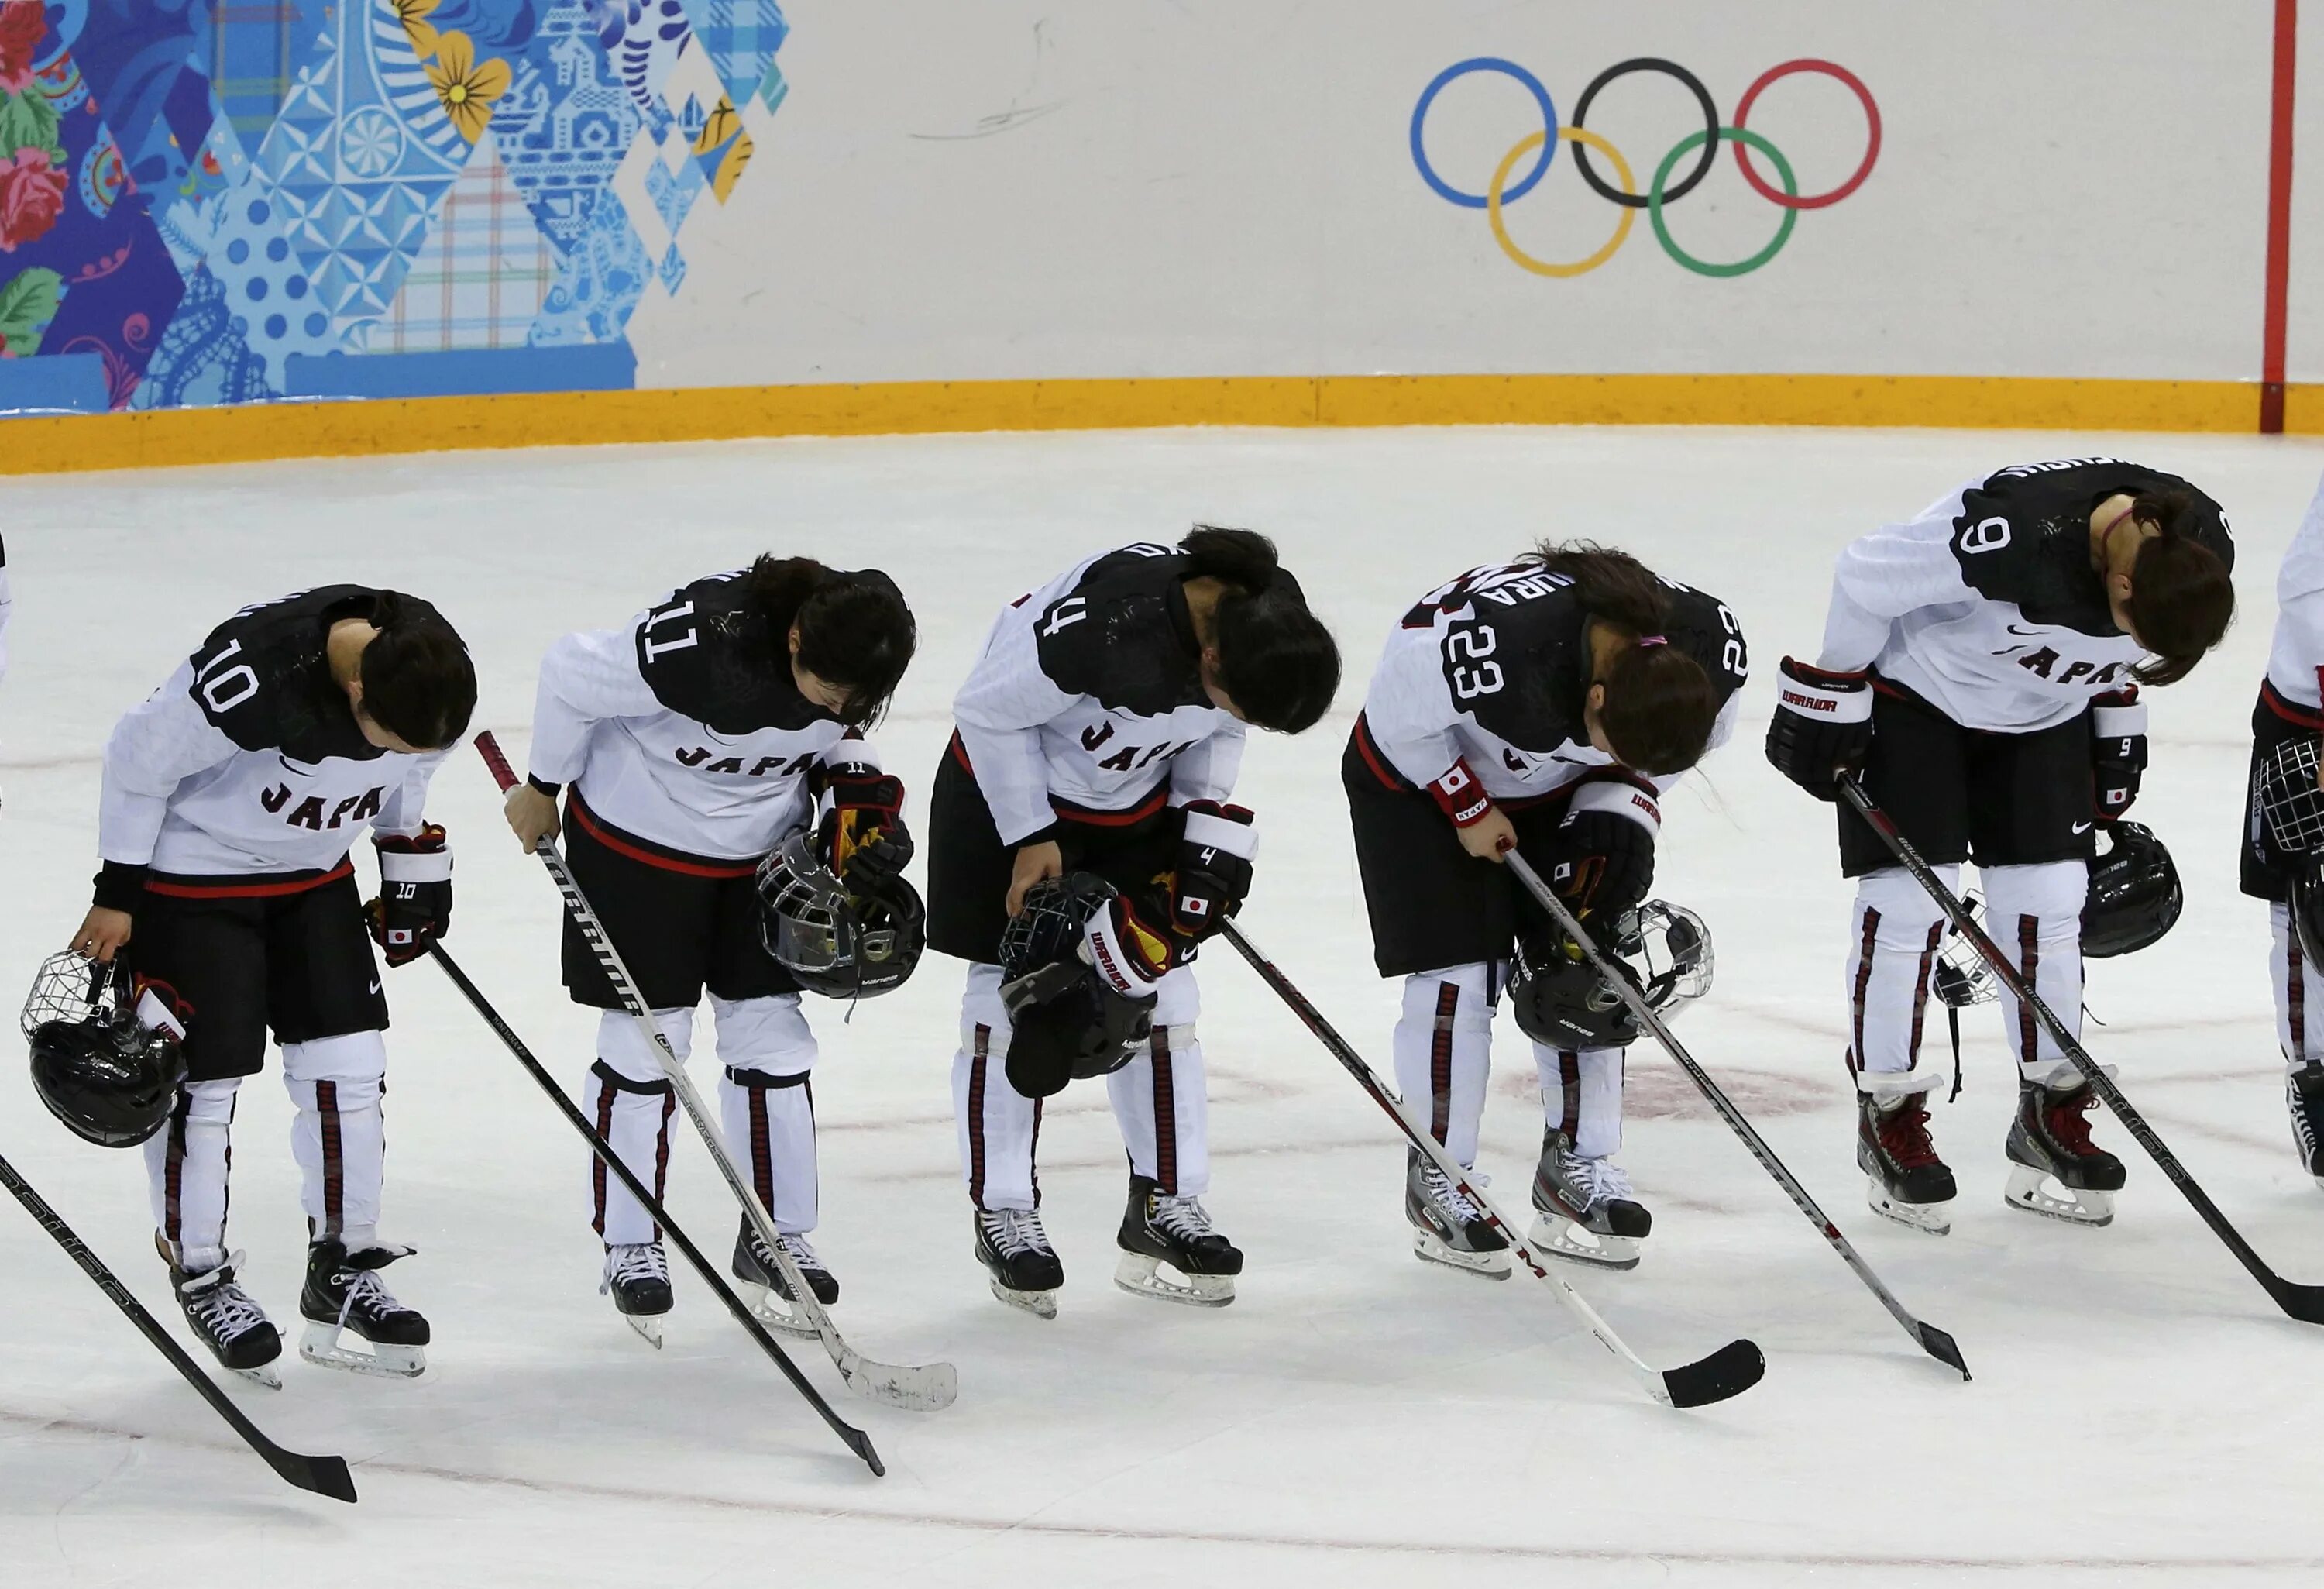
(1440, 1061)
(335, 1169)
(597, 1165)
(1166, 1117)
(978, 1056)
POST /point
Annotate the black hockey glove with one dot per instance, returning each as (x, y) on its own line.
(2118, 750)
(864, 839)
(414, 908)
(1212, 877)
(1822, 724)
(1602, 862)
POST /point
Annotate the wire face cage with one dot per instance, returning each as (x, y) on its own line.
(2289, 799)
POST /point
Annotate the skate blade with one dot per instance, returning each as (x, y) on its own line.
(2028, 1191)
(1429, 1248)
(767, 1306)
(1039, 1304)
(263, 1376)
(647, 1326)
(1562, 1238)
(1931, 1219)
(320, 1346)
(1142, 1276)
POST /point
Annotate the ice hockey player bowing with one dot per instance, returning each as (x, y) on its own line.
(1982, 665)
(687, 743)
(231, 797)
(1540, 704)
(1101, 732)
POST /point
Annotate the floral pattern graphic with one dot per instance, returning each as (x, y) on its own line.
(466, 85)
(22, 23)
(32, 197)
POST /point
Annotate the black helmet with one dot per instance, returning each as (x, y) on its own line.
(841, 944)
(1564, 1001)
(1066, 1020)
(109, 1079)
(2135, 894)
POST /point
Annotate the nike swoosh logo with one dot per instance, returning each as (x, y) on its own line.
(375, 984)
(2081, 827)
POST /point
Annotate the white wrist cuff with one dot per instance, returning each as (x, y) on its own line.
(1623, 799)
(1820, 703)
(852, 752)
(2119, 722)
(1120, 969)
(415, 865)
(155, 1015)
(1206, 831)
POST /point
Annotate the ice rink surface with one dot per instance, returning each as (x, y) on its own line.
(2140, 1412)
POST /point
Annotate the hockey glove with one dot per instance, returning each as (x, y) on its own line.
(1602, 861)
(864, 839)
(1212, 877)
(2118, 750)
(414, 908)
(1822, 725)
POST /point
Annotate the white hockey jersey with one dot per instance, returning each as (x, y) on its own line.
(1985, 606)
(1089, 696)
(2295, 660)
(249, 761)
(1493, 669)
(685, 727)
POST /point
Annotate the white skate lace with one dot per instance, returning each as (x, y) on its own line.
(1183, 1217)
(634, 1260)
(1012, 1231)
(1599, 1180)
(1454, 1203)
(225, 1308)
(363, 1288)
(801, 1253)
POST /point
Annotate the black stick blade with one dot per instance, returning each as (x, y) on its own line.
(1939, 1345)
(2304, 1303)
(325, 1476)
(1730, 1370)
(860, 1443)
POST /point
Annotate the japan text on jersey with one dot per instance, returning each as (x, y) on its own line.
(1089, 697)
(686, 726)
(1493, 667)
(249, 759)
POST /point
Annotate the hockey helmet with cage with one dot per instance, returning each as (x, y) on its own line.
(2134, 895)
(110, 1077)
(1960, 977)
(1563, 1000)
(1067, 1022)
(841, 944)
(2290, 798)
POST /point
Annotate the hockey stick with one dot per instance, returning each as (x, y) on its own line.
(855, 1439)
(1935, 1342)
(923, 1388)
(1730, 1370)
(2304, 1303)
(325, 1476)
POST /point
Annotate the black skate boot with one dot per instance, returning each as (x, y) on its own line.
(2050, 1139)
(1447, 1228)
(1905, 1180)
(344, 1292)
(1158, 1229)
(226, 1319)
(1011, 1244)
(1577, 1198)
(762, 1278)
(637, 1276)
(2303, 1095)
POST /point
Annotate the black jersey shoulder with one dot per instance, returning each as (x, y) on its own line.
(1705, 628)
(263, 677)
(1123, 634)
(1512, 651)
(2023, 536)
(708, 654)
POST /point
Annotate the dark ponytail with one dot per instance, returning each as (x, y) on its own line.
(1659, 707)
(855, 629)
(2181, 599)
(1277, 661)
(418, 681)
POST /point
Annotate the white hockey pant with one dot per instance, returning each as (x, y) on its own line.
(2034, 914)
(338, 1137)
(1444, 1050)
(1159, 1099)
(2290, 973)
(766, 1107)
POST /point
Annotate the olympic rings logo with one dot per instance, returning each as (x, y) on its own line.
(1661, 191)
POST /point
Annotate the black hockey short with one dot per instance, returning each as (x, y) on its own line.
(245, 955)
(2265, 874)
(679, 922)
(2005, 800)
(969, 866)
(1432, 904)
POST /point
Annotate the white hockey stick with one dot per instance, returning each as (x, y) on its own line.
(923, 1388)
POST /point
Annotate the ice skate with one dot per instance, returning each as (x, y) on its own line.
(2303, 1096)
(637, 1277)
(1447, 1228)
(1156, 1230)
(764, 1287)
(2050, 1143)
(343, 1293)
(1905, 1180)
(1013, 1247)
(1586, 1212)
(227, 1319)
